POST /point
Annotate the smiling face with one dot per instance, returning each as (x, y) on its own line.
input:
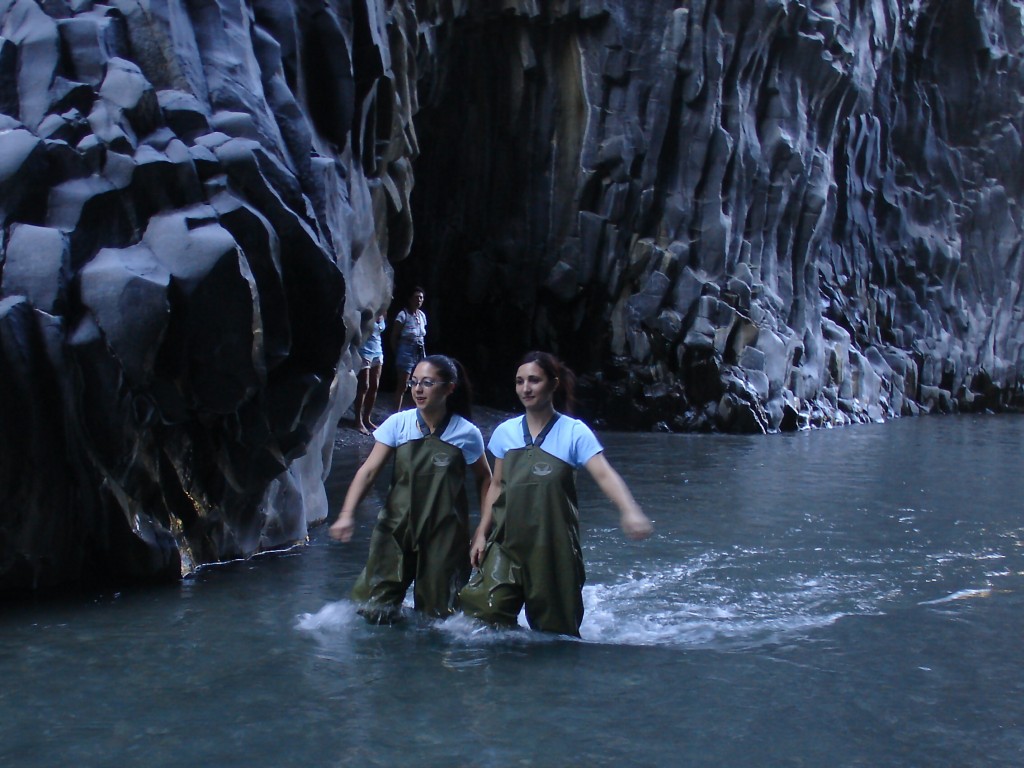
(534, 387)
(429, 390)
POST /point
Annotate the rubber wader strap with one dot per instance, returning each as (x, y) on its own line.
(425, 429)
(528, 439)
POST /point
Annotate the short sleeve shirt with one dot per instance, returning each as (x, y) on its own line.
(570, 440)
(400, 428)
(372, 347)
(414, 326)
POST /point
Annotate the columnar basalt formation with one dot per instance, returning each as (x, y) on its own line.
(743, 216)
(199, 203)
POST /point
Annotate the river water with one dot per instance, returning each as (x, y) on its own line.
(849, 597)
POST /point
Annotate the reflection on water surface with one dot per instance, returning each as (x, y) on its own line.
(847, 597)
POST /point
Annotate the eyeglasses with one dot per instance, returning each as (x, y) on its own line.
(425, 383)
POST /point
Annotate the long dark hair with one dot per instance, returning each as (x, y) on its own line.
(563, 398)
(450, 371)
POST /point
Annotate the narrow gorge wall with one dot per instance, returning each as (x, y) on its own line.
(199, 204)
(743, 216)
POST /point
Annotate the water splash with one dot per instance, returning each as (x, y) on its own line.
(686, 606)
(723, 598)
(332, 619)
(618, 615)
(465, 630)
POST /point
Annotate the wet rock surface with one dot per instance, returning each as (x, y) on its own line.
(193, 201)
(737, 216)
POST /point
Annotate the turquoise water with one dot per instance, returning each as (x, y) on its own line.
(835, 598)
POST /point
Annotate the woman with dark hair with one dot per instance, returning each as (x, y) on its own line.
(527, 546)
(422, 532)
(408, 339)
(371, 360)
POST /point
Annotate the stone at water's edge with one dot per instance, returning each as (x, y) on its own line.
(725, 215)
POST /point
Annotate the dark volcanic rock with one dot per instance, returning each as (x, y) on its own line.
(818, 204)
(745, 216)
(190, 235)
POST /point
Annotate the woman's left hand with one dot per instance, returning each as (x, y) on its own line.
(636, 525)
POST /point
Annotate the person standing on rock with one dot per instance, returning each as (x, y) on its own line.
(371, 360)
(422, 532)
(527, 547)
(408, 339)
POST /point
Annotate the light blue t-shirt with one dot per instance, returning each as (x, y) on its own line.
(399, 428)
(373, 347)
(570, 440)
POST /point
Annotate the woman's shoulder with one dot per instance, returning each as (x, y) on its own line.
(395, 418)
(396, 423)
(460, 422)
(388, 431)
(577, 429)
(571, 422)
(513, 423)
(506, 431)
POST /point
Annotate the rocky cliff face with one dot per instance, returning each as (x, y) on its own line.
(199, 201)
(743, 216)
(735, 215)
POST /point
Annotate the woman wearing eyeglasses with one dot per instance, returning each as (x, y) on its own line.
(422, 532)
(532, 556)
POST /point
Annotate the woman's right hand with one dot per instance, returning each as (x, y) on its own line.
(476, 549)
(342, 528)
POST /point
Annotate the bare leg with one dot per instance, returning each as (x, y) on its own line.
(373, 381)
(402, 385)
(361, 389)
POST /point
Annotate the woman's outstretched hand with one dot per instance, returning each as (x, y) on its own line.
(636, 525)
(342, 528)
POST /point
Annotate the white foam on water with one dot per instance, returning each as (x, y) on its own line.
(468, 631)
(963, 594)
(468, 642)
(673, 608)
(740, 598)
(331, 619)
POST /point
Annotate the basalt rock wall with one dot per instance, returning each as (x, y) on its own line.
(743, 216)
(199, 200)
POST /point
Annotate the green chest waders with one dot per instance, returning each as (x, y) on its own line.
(422, 533)
(533, 554)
